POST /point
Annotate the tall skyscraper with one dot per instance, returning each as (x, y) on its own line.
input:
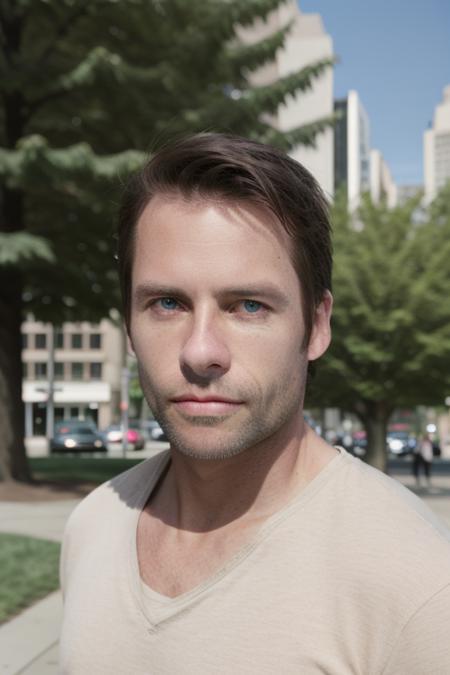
(436, 149)
(382, 185)
(356, 165)
(352, 148)
(306, 43)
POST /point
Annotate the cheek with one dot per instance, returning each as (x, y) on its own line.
(157, 363)
(274, 357)
(152, 342)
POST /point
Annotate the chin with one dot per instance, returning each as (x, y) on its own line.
(208, 454)
(214, 445)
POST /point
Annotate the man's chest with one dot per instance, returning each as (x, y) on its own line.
(249, 620)
(272, 607)
(172, 563)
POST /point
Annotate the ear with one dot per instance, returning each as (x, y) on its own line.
(321, 331)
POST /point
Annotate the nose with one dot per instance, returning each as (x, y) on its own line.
(205, 355)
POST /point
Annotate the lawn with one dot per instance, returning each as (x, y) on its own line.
(72, 469)
(29, 566)
(28, 572)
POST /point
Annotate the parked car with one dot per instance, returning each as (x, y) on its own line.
(156, 433)
(76, 436)
(400, 443)
(359, 443)
(114, 434)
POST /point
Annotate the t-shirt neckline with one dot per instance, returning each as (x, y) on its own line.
(158, 607)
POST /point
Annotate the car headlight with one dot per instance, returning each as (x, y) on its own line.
(98, 444)
(70, 443)
(395, 445)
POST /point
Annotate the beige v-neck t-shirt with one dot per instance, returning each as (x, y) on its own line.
(353, 576)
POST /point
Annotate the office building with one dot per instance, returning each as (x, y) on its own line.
(352, 148)
(436, 149)
(382, 185)
(407, 192)
(306, 43)
(87, 372)
(357, 166)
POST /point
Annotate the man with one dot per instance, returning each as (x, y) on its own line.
(251, 546)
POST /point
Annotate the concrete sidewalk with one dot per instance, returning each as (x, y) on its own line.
(44, 520)
(29, 643)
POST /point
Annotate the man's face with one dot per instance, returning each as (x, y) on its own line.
(217, 325)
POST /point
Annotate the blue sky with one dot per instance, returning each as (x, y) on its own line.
(396, 54)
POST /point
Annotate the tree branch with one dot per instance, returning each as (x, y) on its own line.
(61, 32)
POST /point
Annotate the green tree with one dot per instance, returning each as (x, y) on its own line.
(391, 319)
(87, 87)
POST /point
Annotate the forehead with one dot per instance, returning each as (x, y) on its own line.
(170, 220)
(206, 246)
(193, 238)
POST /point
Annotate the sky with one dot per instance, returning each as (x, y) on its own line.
(396, 55)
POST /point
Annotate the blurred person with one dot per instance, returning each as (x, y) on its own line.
(423, 458)
(252, 545)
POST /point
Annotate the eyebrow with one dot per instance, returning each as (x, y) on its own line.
(264, 291)
(149, 289)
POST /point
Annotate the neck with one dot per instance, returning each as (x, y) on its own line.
(204, 495)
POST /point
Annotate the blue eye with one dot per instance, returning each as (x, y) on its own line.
(168, 303)
(252, 306)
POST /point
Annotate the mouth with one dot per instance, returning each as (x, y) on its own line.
(206, 406)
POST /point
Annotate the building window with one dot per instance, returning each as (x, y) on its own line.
(77, 371)
(95, 371)
(76, 340)
(59, 339)
(59, 370)
(40, 341)
(95, 341)
(40, 371)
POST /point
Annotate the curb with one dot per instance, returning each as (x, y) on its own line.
(27, 637)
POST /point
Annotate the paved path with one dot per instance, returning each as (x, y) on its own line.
(29, 643)
(44, 520)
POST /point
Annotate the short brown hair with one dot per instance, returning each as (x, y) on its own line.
(234, 168)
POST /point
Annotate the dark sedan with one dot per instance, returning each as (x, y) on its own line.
(76, 436)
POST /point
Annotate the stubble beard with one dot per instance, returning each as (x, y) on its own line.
(272, 412)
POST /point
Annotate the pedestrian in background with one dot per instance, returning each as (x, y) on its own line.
(423, 457)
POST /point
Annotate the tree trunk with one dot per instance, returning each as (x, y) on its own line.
(13, 460)
(376, 419)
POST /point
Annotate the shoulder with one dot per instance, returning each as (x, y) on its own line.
(123, 492)
(392, 539)
(422, 645)
(369, 485)
(390, 546)
(98, 524)
(382, 498)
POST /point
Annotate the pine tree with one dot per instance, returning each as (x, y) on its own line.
(391, 317)
(88, 88)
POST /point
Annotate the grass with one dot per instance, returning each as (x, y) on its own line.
(70, 469)
(29, 567)
(28, 572)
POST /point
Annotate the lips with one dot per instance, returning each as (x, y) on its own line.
(205, 399)
(206, 405)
